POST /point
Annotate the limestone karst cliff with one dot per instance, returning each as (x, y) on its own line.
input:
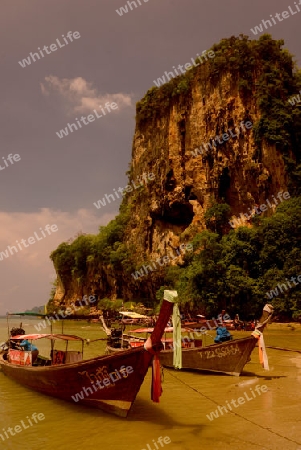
(222, 133)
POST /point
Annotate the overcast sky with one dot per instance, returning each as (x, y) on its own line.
(114, 59)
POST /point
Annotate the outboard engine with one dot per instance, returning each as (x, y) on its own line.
(16, 332)
(115, 338)
(4, 347)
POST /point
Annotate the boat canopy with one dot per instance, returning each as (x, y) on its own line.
(32, 337)
(150, 330)
(27, 314)
(133, 315)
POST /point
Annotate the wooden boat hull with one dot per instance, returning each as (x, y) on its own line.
(228, 357)
(68, 380)
(109, 382)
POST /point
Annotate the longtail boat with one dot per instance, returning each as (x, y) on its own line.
(227, 357)
(110, 383)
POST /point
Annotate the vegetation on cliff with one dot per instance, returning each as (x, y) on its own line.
(72, 260)
(239, 270)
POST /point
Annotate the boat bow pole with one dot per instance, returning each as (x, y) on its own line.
(154, 345)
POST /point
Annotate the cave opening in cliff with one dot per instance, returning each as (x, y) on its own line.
(189, 194)
(170, 182)
(224, 183)
(176, 214)
(182, 130)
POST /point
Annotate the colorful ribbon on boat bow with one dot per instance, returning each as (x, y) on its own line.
(177, 338)
(156, 389)
(156, 380)
(263, 357)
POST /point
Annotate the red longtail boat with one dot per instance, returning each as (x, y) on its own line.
(110, 383)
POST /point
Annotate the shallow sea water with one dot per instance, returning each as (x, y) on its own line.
(271, 420)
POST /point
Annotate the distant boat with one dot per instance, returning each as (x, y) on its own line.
(109, 382)
(118, 341)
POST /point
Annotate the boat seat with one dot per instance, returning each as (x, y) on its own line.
(42, 361)
(73, 357)
(58, 357)
(69, 357)
(20, 357)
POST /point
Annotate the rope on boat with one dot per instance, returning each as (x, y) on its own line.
(232, 412)
(284, 349)
(88, 341)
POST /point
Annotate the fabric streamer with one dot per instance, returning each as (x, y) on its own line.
(177, 341)
(170, 295)
(263, 357)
